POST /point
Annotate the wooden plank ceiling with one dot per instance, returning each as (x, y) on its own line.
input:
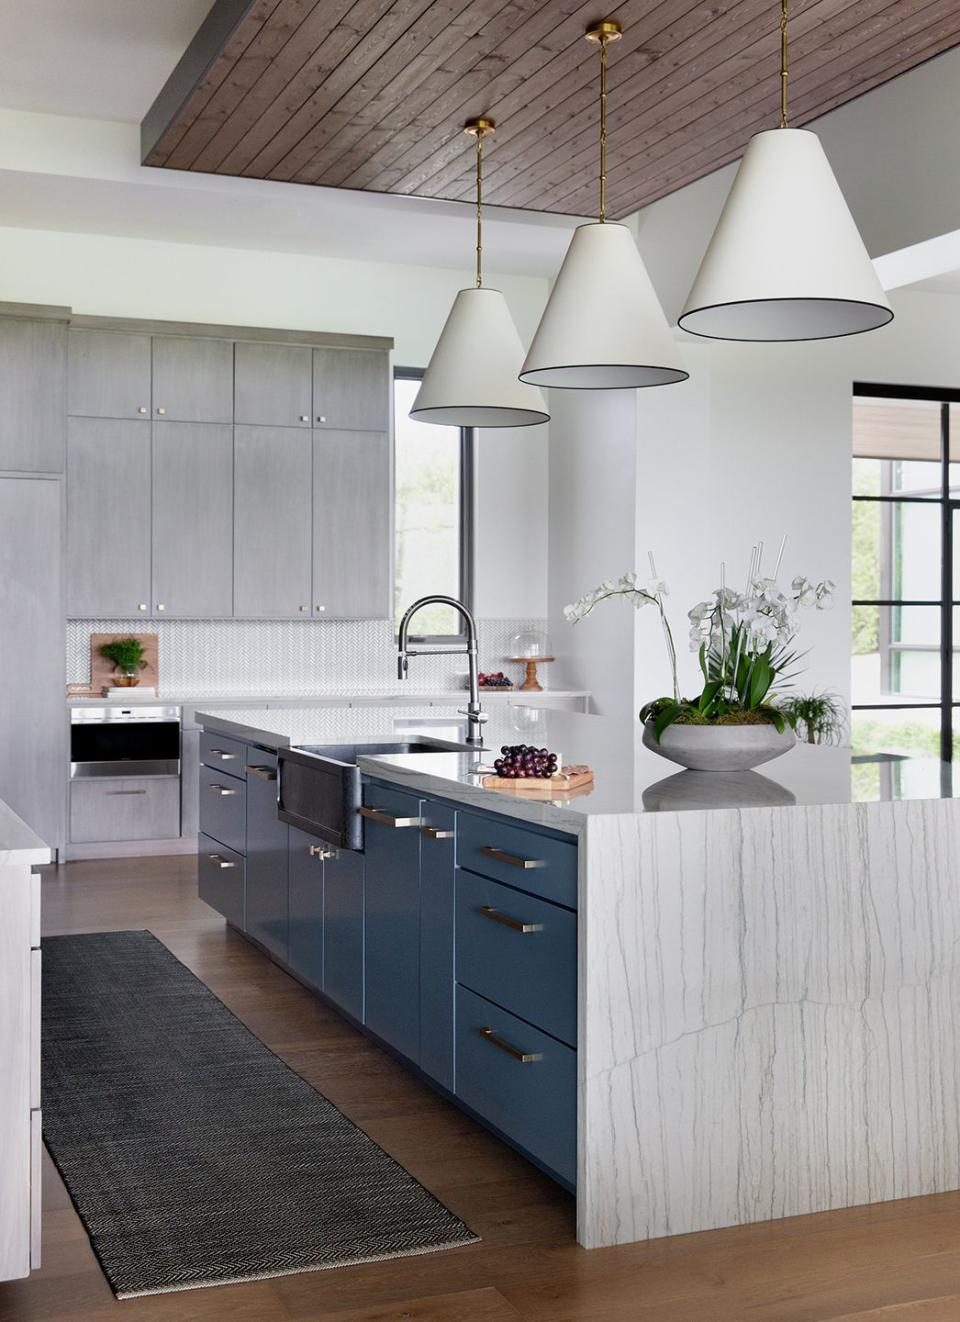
(372, 94)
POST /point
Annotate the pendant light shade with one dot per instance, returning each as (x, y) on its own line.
(786, 261)
(472, 377)
(603, 327)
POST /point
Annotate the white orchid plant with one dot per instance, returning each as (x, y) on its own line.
(744, 641)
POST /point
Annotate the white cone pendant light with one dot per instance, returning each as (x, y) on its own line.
(786, 261)
(603, 327)
(472, 377)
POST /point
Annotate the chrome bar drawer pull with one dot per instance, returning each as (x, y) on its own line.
(385, 818)
(321, 852)
(524, 1057)
(515, 926)
(436, 833)
(512, 859)
(223, 791)
(220, 861)
(123, 793)
(265, 773)
(223, 755)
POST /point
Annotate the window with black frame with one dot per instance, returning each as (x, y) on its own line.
(906, 584)
(432, 514)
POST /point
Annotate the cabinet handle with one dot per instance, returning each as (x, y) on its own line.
(142, 408)
(524, 1057)
(265, 773)
(321, 852)
(319, 609)
(514, 924)
(160, 606)
(161, 411)
(118, 793)
(512, 859)
(220, 861)
(321, 418)
(385, 819)
(223, 755)
(223, 791)
(142, 606)
(303, 609)
(436, 833)
(304, 417)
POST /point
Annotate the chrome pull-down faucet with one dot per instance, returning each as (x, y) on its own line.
(473, 712)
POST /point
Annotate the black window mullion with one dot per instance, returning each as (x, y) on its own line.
(946, 593)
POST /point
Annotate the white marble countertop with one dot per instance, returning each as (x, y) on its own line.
(18, 843)
(332, 697)
(628, 777)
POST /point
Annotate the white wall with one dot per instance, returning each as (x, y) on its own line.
(510, 522)
(755, 445)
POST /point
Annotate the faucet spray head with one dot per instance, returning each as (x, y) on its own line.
(401, 666)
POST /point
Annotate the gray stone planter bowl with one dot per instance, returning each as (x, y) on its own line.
(720, 747)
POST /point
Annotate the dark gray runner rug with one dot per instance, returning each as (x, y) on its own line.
(193, 1155)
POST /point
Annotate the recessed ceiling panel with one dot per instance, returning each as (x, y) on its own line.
(373, 94)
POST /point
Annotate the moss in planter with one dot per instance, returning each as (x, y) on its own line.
(729, 718)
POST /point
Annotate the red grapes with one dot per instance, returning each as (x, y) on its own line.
(522, 761)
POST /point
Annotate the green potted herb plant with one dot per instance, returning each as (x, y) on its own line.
(128, 659)
(820, 718)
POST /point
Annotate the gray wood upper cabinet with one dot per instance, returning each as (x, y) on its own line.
(351, 389)
(273, 384)
(192, 379)
(108, 518)
(32, 395)
(192, 519)
(109, 374)
(272, 520)
(32, 725)
(352, 525)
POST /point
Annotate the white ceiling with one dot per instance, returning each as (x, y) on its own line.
(102, 59)
(97, 60)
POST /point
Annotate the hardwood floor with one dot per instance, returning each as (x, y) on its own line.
(899, 1262)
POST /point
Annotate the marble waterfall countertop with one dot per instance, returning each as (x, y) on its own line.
(629, 778)
(767, 997)
(19, 845)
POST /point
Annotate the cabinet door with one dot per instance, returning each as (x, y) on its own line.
(32, 725)
(392, 919)
(305, 953)
(108, 518)
(343, 886)
(108, 374)
(192, 519)
(436, 941)
(352, 525)
(351, 389)
(33, 377)
(192, 379)
(272, 384)
(272, 573)
(266, 871)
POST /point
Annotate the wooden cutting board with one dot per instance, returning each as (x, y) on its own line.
(102, 673)
(568, 781)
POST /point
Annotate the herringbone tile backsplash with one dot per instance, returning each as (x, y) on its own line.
(292, 657)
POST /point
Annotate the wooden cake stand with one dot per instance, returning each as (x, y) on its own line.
(531, 683)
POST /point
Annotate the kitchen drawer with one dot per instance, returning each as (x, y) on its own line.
(35, 910)
(223, 808)
(124, 808)
(35, 958)
(536, 863)
(518, 951)
(520, 1081)
(220, 880)
(36, 1189)
(226, 755)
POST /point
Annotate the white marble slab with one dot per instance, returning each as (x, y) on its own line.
(769, 1011)
(19, 845)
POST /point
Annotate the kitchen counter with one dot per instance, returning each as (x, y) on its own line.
(19, 845)
(629, 778)
(768, 965)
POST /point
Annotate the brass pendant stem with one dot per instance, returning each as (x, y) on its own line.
(784, 75)
(479, 128)
(479, 210)
(603, 33)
